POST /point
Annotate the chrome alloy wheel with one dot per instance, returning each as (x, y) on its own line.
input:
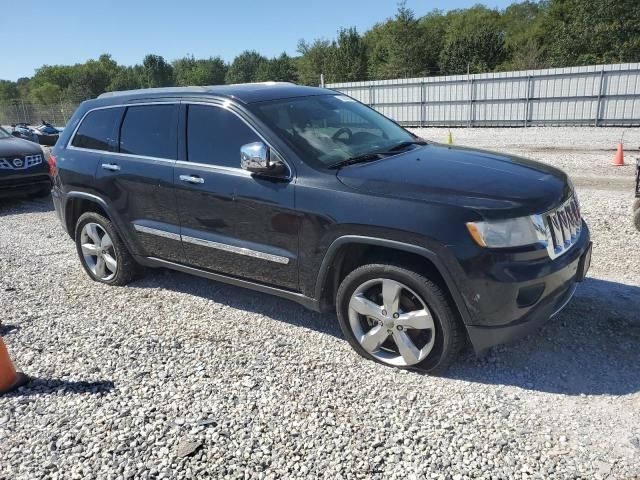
(98, 251)
(391, 322)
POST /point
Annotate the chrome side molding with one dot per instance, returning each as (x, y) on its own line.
(157, 232)
(247, 252)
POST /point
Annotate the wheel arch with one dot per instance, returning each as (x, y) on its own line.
(351, 251)
(77, 203)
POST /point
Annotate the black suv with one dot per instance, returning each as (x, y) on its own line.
(307, 194)
(23, 168)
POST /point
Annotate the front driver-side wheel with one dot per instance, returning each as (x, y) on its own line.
(102, 253)
(399, 318)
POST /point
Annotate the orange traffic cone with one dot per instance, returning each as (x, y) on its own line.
(618, 161)
(9, 378)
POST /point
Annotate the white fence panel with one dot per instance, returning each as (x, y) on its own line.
(599, 95)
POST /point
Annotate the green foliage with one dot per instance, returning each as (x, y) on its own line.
(279, 69)
(156, 72)
(315, 59)
(189, 71)
(474, 41)
(592, 31)
(527, 34)
(348, 57)
(397, 47)
(244, 68)
(8, 90)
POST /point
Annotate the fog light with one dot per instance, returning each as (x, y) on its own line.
(527, 296)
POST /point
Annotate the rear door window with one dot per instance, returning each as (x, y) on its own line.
(98, 130)
(215, 135)
(150, 130)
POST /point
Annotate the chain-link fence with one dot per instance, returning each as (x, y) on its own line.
(16, 111)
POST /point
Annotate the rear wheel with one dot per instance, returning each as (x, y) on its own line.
(102, 253)
(398, 317)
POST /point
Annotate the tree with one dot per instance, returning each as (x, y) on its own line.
(46, 93)
(189, 71)
(348, 57)
(474, 42)
(8, 91)
(582, 32)
(127, 78)
(278, 69)
(396, 48)
(524, 36)
(315, 59)
(433, 29)
(156, 72)
(244, 68)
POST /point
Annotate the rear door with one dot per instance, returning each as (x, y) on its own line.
(233, 222)
(137, 178)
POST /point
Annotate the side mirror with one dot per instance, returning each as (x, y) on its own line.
(256, 157)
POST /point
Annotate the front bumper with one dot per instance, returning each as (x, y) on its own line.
(11, 186)
(518, 295)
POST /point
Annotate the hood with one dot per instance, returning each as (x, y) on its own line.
(13, 146)
(493, 184)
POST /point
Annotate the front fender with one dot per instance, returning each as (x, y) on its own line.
(427, 253)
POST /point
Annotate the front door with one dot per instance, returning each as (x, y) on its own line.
(231, 221)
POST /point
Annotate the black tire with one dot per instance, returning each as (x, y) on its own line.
(636, 219)
(449, 331)
(127, 268)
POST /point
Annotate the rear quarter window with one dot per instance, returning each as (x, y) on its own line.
(98, 130)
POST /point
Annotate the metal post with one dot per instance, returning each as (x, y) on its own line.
(470, 101)
(372, 102)
(526, 106)
(595, 123)
(423, 96)
(24, 112)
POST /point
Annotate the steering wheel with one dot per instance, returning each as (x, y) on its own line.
(340, 131)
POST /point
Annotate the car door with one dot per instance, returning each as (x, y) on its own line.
(137, 178)
(233, 222)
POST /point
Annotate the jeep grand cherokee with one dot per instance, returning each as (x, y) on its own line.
(309, 195)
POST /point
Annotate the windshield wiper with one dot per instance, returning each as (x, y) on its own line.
(371, 156)
(401, 145)
(365, 157)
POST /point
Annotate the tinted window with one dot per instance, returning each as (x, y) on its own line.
(150, 130)
(215, 135)
(97, 130)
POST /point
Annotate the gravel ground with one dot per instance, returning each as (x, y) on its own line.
(179, 377)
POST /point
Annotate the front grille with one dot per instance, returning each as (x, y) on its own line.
(20, 163)
(564, 225)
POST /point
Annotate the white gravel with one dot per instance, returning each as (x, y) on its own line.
(179, 377)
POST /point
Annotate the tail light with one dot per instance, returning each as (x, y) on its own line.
(52, 164)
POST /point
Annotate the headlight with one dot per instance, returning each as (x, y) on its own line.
(514, 232)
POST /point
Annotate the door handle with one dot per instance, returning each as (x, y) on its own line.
(191, 179)
(111, 166)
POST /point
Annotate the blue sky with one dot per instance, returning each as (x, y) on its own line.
(72, 31)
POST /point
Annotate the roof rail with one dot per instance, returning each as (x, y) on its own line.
(177, 90)
(142, 91)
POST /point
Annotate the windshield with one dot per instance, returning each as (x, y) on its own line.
(328, 129)
(4, 133)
